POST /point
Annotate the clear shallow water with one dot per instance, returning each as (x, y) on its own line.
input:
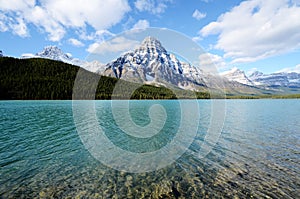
(257, 155)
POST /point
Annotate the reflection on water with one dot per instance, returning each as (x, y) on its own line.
(257, 155)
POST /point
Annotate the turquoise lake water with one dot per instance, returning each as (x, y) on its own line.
(257, 153)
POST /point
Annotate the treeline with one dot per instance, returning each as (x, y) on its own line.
(41, 79)
(287, 96)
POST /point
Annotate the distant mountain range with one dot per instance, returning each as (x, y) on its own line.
(290, 80)
(151, 63)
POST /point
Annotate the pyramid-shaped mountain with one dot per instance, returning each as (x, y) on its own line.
(150, 63)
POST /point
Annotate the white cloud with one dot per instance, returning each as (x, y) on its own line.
(102, 35)
(17, 26)
(199, 15)
(75, 42)
(3, 26)
(98, 36)
(100, 14)
(257, 29)
(118, 44)
(16, 4)
(197, 38)
(141, 24)
(20, 28)
(291, 69)
(152, 6)
(42, 19)
(55, 17)
(209, 61)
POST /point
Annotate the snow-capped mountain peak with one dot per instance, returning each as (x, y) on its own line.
(237, 75)
(233, 71)
(151, 45)
(55, 53)
(151, 63)
(255, 74)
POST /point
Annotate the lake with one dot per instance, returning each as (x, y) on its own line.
(47, 149)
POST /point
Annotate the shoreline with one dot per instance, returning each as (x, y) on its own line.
(297, 96)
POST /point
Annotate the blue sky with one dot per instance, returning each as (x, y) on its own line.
(252, 35)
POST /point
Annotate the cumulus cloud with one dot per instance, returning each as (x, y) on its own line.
(257, 29)
(208, 61)
(295, 69)
(152, 6)
(17, 25)
(19, 28)
(55, 17)
(3, 26)
(141, 24)
(16, 4)
(198, 15)
(75, 42)
(98, 36)
(118, 44)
